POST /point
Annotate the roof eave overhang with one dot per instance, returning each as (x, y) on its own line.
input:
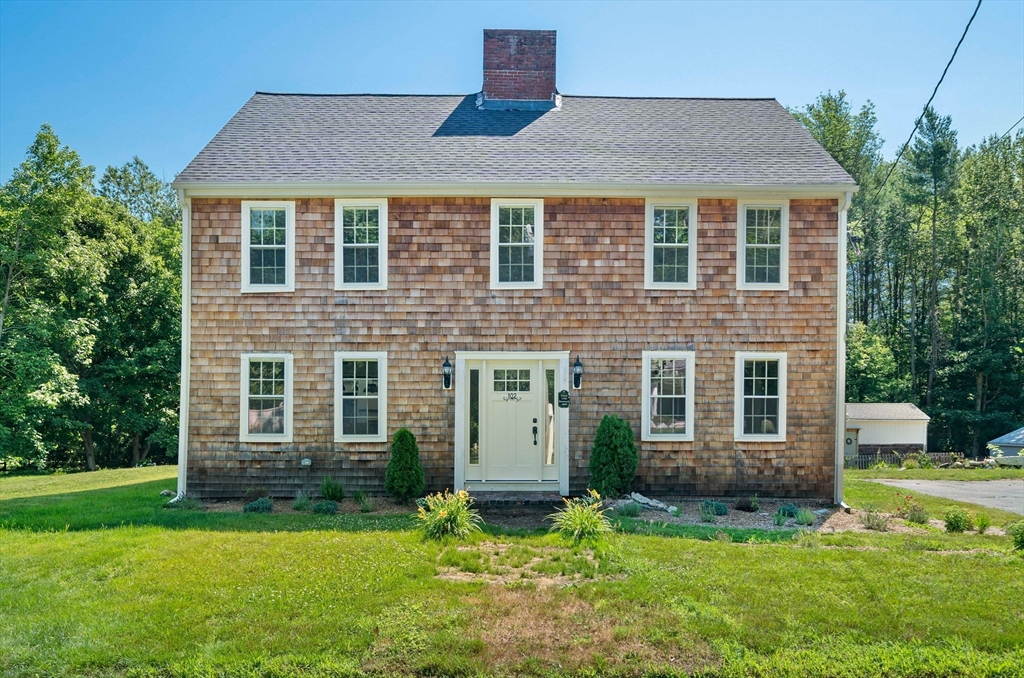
(271, 189)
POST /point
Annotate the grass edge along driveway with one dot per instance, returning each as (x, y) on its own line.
(215, 594)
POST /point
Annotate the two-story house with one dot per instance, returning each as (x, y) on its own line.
(498, 271)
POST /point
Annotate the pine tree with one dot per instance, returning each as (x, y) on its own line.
(404, 478)
(613, 461)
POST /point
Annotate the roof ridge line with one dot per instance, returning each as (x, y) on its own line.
(571, 96)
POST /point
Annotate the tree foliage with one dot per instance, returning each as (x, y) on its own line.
(613, 460)
(936, 273)
(90, 316)
(403, 479)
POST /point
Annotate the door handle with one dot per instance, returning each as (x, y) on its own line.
(534, 435)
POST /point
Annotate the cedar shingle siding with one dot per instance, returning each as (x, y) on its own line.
(438, 301)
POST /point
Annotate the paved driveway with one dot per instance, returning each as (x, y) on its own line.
(1007, 495)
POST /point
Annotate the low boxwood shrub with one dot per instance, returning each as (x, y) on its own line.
(445, 514)
(958, 519)
(613, 459)
(789, 510)
(261, 505)
(403, 479)
(331, 490)
(747, 504)
(716, 507)
(326, 507)
(581, 519)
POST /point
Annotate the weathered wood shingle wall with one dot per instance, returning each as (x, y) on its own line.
(438, 301)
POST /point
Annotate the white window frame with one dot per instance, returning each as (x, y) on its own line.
(382, 247)
(649, 283)
(741, 358)
(382, 396)
(538, 249)
(289, 207)
(289, 379)
(741, 242)
(645, 432)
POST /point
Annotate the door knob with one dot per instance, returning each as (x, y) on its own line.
(534, 435)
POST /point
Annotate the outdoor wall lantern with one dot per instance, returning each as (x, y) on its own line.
(577, 373)
(446, 374)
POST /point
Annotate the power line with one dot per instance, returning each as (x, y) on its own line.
(921, 117)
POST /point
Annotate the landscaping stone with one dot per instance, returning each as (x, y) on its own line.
(650, 503)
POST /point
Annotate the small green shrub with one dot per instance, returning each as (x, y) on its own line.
(716, 507)
(957, 519)
(613, 460)
(253, 493)
(780, 518)
(448, 515)
(982, 522)
(707, 513)
(874, 521)
(404, 477)
(919, 460)
(366, 503)
(789, 510)
(301, 502)
(326, 507)
(630, 510)
(331, 490)
(261, 505)
(916, 514)
(185, 503)
(1016, 532)
(804, 517)
(910, 463)
(747, 504)
(581, 519)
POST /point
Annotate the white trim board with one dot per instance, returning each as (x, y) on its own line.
(186, 341)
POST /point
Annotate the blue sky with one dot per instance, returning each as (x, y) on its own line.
(158, 79)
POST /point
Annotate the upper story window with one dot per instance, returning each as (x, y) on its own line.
(360, 396)
(670, 246)
(763, 251)
(361, 244)
(760, 396)
(266, 412)
(667, 411)
(517, 244)
(268, 246)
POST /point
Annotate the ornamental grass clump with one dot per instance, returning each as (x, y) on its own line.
(873, 520)
(1016, 532)
(707, 513)
(302, 501)
(805, 518)
(958, 519)
(630, 510)
(445, 514)
(982, 522)
(261, 505)
(581, 519)
(331, 490)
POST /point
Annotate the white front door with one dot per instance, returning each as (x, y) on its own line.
(514, 430)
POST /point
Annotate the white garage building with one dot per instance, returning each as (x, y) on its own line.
(885, 427)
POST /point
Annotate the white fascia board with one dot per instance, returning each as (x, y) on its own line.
(270, 189)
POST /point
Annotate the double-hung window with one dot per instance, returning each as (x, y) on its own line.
(760, 398)
(268, 246)
(763, 247)
(667, 409)
(517, 244)
(266, 398)
(360, 396)
(670, 246)
(361, 244)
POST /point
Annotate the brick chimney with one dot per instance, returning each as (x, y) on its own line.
(519, 70)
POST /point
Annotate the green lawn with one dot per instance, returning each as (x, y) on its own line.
(1000, 473)
(98, 579)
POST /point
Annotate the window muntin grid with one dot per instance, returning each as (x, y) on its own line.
(763, 245)
(360, 249)
(507, 381)
(268, 246)
(668, 396)
(761, 400)
(671, 245)
(266, 396)
(517, 243)
(360, 397)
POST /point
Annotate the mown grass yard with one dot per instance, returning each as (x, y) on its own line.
(100, 580)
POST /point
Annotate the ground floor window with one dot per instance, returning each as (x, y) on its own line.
(667, 395)
(760, 396)
(360, 396)
(266, 397)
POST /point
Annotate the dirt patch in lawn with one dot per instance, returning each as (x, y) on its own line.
(526, 629)
(517, 565)
(841, 521)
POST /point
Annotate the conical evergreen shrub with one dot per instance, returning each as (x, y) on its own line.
(404, 478)
(613, 461)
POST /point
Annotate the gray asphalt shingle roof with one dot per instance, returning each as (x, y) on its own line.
(296, 138)
(885, 411)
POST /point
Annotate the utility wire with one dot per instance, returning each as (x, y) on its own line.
(921, 117)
